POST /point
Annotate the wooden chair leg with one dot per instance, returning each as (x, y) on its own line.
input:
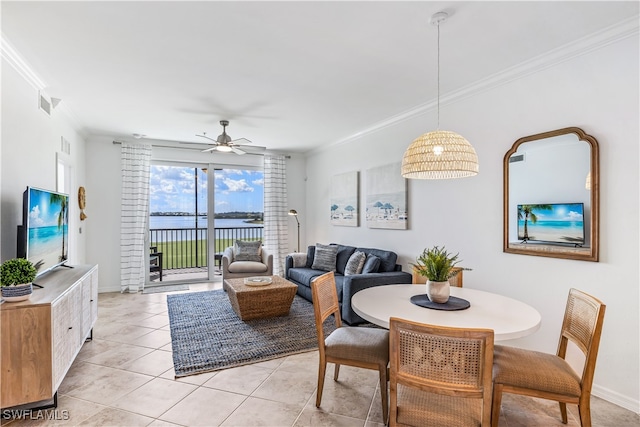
(383, 394)
(322, 369)
(496, 404)
(336, 372)
(563, 412)
(584, 409)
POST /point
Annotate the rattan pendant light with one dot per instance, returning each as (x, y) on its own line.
(439, 154)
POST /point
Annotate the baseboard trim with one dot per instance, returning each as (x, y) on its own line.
(616, 398)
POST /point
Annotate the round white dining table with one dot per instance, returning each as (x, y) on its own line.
(509, 318)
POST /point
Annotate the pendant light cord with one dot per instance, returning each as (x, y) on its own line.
(438, 126)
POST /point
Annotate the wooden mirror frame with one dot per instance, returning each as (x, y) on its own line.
(550, 250)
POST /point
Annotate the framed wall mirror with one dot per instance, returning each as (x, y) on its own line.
(551, 195)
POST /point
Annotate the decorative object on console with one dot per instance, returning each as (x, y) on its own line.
(439, 154)
(437, 265)
(294, 213)
(16, 276)
(386, 202)
(344, 199)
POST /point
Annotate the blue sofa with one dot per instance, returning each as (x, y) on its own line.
(388, 273)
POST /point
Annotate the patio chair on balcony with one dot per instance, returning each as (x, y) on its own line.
(155, 261)
(246, 259)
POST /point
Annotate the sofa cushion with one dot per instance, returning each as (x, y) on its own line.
(304, 275)
(342, 257)
(247, 251)
(311, 253)
(325, 257)
(355, 263)
(371, 264)
(387, 258)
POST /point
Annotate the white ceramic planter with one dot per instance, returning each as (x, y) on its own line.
(438, 292)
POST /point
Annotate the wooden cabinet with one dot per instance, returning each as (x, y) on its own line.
(40, 337)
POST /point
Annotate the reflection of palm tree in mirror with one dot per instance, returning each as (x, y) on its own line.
(62, 217)
(525, 212)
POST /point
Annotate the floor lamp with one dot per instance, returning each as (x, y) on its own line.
(295, 214)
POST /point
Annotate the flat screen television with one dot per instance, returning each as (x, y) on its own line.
(43, 238)
(552, 223)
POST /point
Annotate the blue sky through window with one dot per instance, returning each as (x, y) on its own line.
(173, 189)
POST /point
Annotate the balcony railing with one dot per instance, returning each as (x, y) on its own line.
(187, 247)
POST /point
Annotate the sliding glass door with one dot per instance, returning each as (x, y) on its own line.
(196, 211)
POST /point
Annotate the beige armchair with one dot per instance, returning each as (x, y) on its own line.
(233, 269)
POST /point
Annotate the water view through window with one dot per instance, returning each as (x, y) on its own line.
(179, 217)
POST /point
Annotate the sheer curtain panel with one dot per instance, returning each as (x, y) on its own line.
(134, 214)
(276, 219)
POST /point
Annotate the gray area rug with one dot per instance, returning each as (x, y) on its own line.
(207, 335)
(164, 288)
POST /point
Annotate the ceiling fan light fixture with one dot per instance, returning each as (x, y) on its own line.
(439, 154)
(223, 148)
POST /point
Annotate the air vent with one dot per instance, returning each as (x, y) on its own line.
(44, 104)
(516, 158)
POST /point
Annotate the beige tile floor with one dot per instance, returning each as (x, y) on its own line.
(125, 377)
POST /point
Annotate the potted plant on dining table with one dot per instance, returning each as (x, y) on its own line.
(437, 265)
(16, 276)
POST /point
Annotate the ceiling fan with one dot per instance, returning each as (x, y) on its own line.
(224, 143)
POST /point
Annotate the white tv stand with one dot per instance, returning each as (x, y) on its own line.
(41, 337)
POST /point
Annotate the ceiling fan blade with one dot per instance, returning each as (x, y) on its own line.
(237, 151)
(209, 149)
(240, 141)
(205, 136)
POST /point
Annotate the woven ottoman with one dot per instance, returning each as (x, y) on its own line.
(256, 302)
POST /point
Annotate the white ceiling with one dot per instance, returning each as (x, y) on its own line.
(290, 76)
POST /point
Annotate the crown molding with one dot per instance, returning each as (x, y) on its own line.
(11, 55)
(13, 58)
(609, 35)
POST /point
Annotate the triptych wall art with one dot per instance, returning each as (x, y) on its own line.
(385, 198)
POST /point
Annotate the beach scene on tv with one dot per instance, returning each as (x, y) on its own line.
(48, 235)
(555, 223)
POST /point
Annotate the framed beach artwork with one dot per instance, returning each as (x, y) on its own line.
(386, 202)
(344, 199)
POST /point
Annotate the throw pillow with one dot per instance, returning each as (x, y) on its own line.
(325, 257)
(355, 263)
(247, 251)
(371, 264)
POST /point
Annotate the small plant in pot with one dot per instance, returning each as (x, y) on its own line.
(437, 265)
(16, 276)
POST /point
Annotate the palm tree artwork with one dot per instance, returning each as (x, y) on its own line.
(388, 207)
(63, 218)
(378, 205)
(525, 212)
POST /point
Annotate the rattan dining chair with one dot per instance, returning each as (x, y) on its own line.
(354, 346)
(549, 376)
(439, 376)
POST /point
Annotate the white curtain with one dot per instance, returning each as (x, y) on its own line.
(134, 214)
(276, 220)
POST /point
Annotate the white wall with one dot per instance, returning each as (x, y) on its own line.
(597, 92)
(103, 200)
(30, 141)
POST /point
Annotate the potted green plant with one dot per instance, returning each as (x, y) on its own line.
(437, 265)
(16, 276)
